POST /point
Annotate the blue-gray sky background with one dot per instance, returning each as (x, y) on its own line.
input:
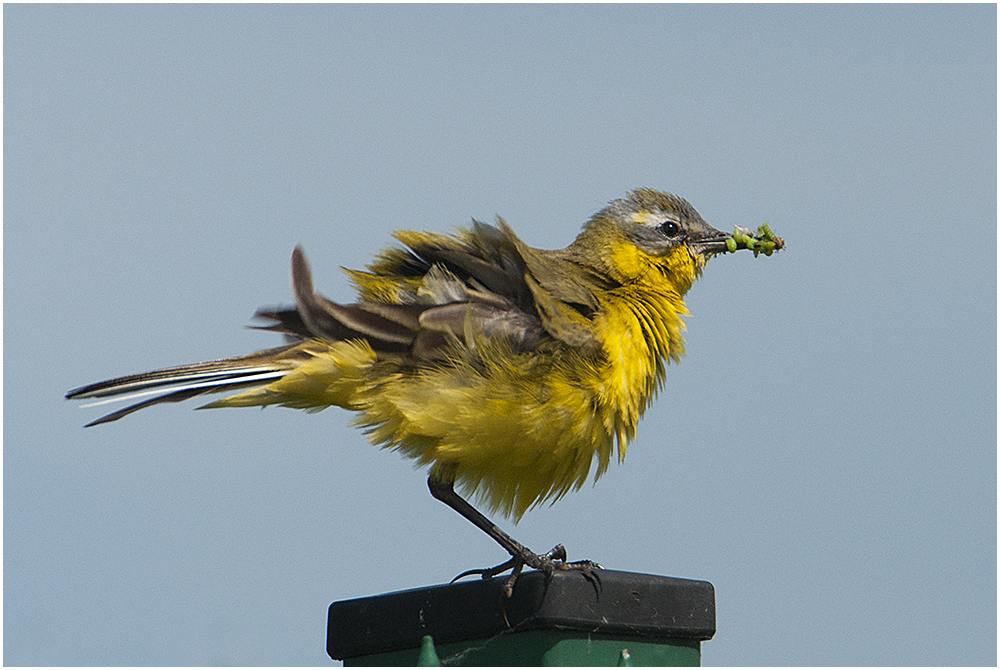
(825, 455)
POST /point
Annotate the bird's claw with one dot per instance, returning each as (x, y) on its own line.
(549, 562)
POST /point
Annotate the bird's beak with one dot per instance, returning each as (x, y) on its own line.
(710, 241)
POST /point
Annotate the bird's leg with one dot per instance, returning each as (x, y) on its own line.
(521, 556)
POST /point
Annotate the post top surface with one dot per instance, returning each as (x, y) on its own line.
(618, 603)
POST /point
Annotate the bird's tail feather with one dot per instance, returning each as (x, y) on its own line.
(182, 382)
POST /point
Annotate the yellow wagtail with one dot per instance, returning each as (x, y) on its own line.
(510, 371)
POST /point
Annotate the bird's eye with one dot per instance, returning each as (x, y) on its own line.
(670, 228)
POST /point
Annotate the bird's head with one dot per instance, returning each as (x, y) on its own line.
(650, 229)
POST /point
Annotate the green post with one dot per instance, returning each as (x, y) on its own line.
(428, 657)
(617, 619)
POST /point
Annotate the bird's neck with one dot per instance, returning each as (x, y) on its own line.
(640, 328)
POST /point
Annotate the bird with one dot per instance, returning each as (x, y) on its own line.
(511, 373)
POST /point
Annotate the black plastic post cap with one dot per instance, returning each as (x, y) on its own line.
(617, 603)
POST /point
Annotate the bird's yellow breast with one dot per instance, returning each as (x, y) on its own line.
(640, 327)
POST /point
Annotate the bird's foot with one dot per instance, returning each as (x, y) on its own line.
(549, 562)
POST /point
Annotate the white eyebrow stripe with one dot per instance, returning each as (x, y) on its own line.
(654, 219)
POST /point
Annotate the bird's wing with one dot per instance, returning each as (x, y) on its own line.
(481, 257)
(527, 293)
(442, 311)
